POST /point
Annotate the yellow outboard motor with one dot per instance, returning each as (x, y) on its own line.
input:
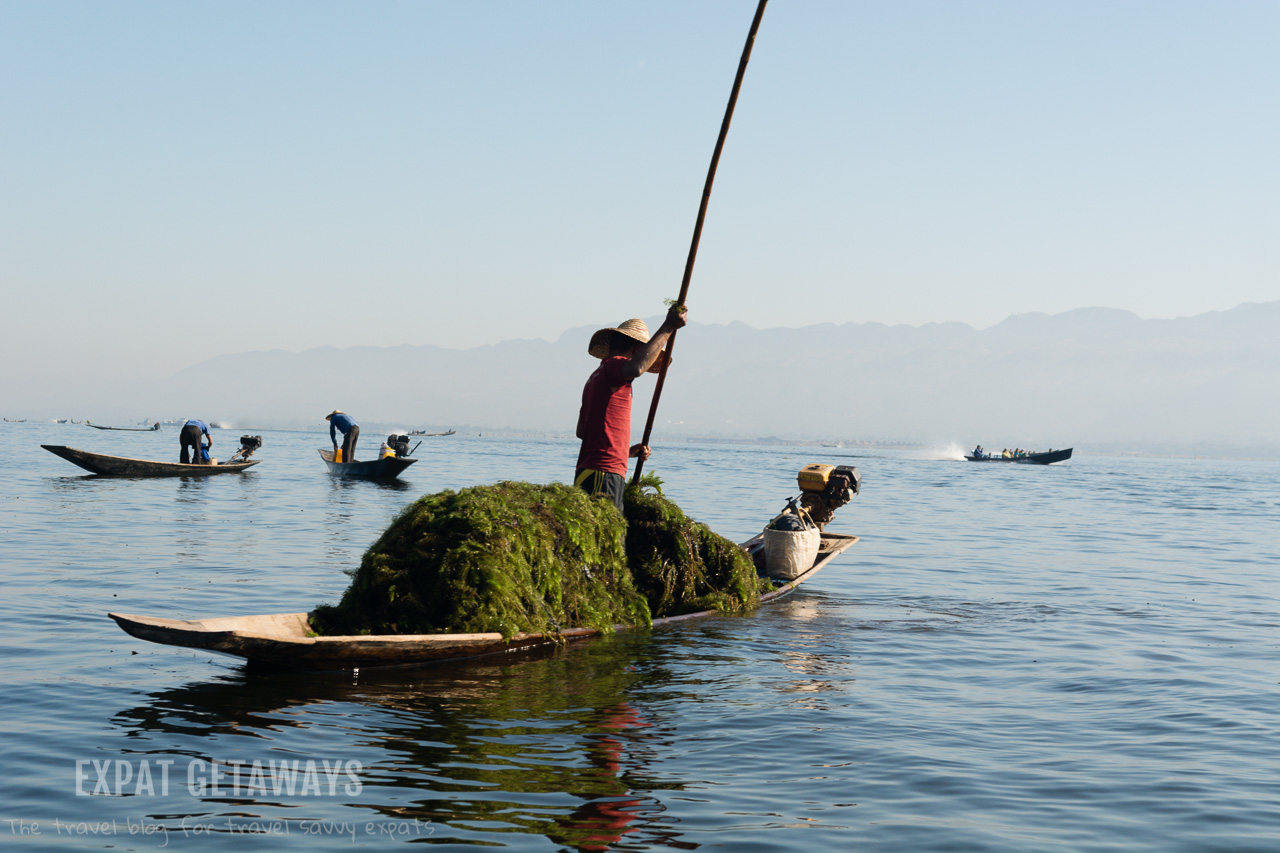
(826, 488)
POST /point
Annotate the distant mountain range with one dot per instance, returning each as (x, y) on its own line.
(1090, 377)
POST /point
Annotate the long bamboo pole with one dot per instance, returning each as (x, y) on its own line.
(697, 228)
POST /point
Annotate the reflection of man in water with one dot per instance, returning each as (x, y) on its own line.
(601, 822)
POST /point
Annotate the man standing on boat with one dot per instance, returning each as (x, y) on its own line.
(189, 438)
(341, 422)
(604, 421)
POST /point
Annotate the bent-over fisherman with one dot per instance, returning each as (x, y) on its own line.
(191, 442)
(341, 422)
(626, 352)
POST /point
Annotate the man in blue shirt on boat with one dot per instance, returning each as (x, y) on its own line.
(341, 422)
(190, 438)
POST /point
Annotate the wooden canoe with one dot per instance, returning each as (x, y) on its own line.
(284, 640)
(122, 466)
(386, 468)
(1046, 458)
(153, 428)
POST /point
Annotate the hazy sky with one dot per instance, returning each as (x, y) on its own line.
(182, 180)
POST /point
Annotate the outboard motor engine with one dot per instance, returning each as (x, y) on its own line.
(399, 443)
(248, 444)
(826, 488)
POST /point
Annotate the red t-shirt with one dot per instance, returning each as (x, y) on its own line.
(606, 419)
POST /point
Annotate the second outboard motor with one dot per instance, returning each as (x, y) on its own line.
(398, 443)
(248, 444)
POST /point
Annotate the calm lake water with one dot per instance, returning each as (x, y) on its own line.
(1014, 658)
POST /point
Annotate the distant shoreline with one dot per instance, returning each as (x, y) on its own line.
(1109, 449)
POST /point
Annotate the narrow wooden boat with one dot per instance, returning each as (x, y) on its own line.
(286, 640)
(1046, 458)
(420, 432)
(386, 468)
(154, 427)
(122, 466)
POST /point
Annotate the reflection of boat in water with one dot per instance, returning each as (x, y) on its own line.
(154, 427)
(478, 724)
(1048, 457)
(122, 466)
(286, 639)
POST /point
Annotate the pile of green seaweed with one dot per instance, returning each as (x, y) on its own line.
(679, 564)
(516, 557)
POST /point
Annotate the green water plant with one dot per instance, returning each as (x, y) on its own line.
(516, 557)
(679, 564)
(508, 558)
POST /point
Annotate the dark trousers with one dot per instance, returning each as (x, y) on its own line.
(349, 444)
(189, 436)
(601, 484)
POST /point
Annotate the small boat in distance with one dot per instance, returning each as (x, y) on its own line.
(385, 468)
(285, 640)
(420, 432)
(122, 466)
(1047, 457)
(155, 426)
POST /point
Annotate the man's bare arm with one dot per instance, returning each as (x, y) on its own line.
(648, 353)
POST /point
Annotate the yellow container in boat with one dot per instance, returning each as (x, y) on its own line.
(337, 455)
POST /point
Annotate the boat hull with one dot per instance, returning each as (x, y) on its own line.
(155, 428)
(285, 639)
(386, 468)
(123, 466)
(1046, 458)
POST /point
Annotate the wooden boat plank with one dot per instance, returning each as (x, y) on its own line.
(281, 639)
(123, 466)
(372, 469)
